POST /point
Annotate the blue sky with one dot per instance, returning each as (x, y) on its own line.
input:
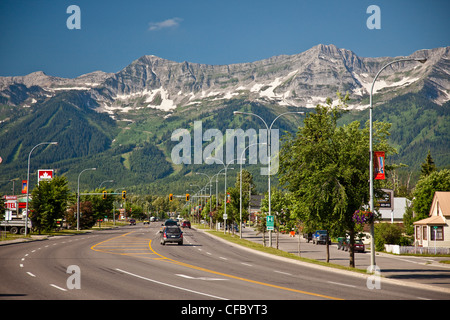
(34, 35)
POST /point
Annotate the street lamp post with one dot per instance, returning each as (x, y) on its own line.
(196, 185)
(210, 186)
(225, 167)
(240, 187)
(269, 153)
(28, 182)
(78, 197)
(372, 232)
(100, 186)
(217, 183)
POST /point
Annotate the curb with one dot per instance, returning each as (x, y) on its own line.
(331, 269)
(22, 240)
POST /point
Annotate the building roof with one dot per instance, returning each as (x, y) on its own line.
(434, 220)
(443, 199)
(400, 205)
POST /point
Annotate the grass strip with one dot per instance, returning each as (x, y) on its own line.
(256, 246)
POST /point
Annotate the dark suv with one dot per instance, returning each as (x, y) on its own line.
(170, 222)
(171, 234)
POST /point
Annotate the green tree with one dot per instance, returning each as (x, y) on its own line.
(101, 207)
(279, 208)
(87, 219)
(425, 189)
(233, 207)
(161, 205)
(428, 166)
(49, 202)
(325, 167)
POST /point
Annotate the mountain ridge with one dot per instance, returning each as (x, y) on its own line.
(299, 80)
(121, 123)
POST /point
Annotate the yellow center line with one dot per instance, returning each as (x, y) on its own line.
(239, 278)
(163, 258)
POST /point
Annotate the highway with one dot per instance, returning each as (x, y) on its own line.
(129, 263)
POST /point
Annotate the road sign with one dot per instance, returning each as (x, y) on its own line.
(225, 216)
(270, 223)
(45, 174)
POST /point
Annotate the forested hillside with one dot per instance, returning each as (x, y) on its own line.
(137, 154)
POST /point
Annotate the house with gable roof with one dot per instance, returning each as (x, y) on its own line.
(435, 230)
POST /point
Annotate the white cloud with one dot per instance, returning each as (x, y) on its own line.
(169, 23)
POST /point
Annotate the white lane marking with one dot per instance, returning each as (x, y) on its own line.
(342, 284)
(286, 273)
(199, 278)
(21, 265)
(246, 264)
(170, 285)
(55, 286)
(23, 259)
(223, 258)
(209, 253)
(30, 274)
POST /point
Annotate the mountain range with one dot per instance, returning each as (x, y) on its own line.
(123, 121)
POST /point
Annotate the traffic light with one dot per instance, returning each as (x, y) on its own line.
(187, 196)
(171, 197)
(104, 195)
(124, 194)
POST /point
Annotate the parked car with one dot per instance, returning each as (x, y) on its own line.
(186, 224)
(359, 246)
(308, 236)
(320, 236)
(171, 234)
(344, 244)
(341, 243)
(132, 222)
(146, 221)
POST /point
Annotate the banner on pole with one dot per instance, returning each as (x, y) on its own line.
(379, 165)
(24, 186)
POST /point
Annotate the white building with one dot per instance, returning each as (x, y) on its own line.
(435, 230)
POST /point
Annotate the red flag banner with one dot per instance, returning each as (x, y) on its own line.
(378, 165)
(24, 186)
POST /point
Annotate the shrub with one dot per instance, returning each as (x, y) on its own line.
(387, 233)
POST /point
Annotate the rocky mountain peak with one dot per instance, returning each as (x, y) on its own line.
(301, 80)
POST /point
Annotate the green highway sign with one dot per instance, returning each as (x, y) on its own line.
(270, 223)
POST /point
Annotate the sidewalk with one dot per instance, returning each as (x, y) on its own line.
(19, 240)
(421, 270)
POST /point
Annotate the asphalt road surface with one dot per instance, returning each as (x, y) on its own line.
(129, 263)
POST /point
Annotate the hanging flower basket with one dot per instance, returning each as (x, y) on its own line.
(363, 217)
